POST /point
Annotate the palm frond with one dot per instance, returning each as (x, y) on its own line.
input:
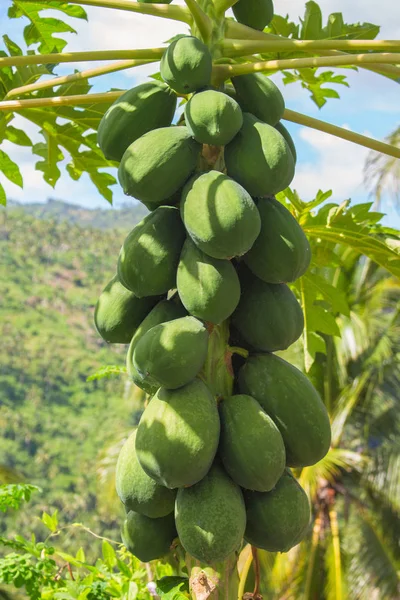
(382, 173)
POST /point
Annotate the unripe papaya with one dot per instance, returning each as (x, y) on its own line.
(119, 312)
(219, 215)
(156, 165)
(258, 95)
(146, 538)
(172, 354)
(145, 107)
(213, 117)
(283, 131)
(208, 287)
(254, 13)
(178, 435)
(149, 256)
(251, 446)
(186, 65)
(259, 158)
(281, 252)
(291, 401)
(210, 517)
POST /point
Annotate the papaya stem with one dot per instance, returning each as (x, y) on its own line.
(77, 100)
(203, 21)
(243, 576)
(221, 6)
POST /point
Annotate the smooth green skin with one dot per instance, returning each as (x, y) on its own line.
(208, 287)
(119, 312)
(281, 253)
(156, 165)
(172, 354)
(259, 158)
(254, 13)
(258, 95)
(219, 215)
(210, 517)
(136, 490)
(146, 538)
(164, 311)
(290, 399)
(150, 254)
(251, 447)
(213, 117)
(186, 65)
(141, 109)
(277, 520)
(283, 131)
(268, 317)
(178, 435)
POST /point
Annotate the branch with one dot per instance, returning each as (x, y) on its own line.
(153, 54)
(77, 100)
(203, 21)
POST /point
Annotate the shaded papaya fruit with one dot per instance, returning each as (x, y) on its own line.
(210, 517)
(145, 107)
(259, 158)
(219, 215)
(258, 95)
(172, 354)
(213, 117)
(289, 398)
(156, 165)
(281, 252)
(186, 65)
(178, 434)
(119, 312)
(279, 519)
(149, 256)
(251, 446)
(283, 131)
(146, 538)
(208, 287)
(254, 13)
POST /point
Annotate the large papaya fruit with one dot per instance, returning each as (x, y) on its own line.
(254, 13)
(146, 538)
(178, 434)
(149, 256)
(213, 117)
(156, 165)
(281, 252)
(210, 517)
(258, 95)
(219, 215)
(259, 158)
(292, 402)
(283, 131)
(145, 107)
(251, 446)
(186, 65)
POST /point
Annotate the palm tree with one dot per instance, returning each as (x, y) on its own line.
(382, 173)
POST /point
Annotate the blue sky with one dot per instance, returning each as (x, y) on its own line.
(369, 106)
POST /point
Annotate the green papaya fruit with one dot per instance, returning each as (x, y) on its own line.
(259, 158)
(149, 256)
(136, 490)
(119, 312)
(208, 287)
(146, 538)
(291, 401)
(279, 519)
(258, 95)
(178, 435)
(268, 317)
(213, 117)
(145, 107)
(186, 65)
(251, 446)
(172, 354)
(254, 13)
(219, 215)
(284, 132)
(210, 517)
(156, 165)
(281, 252)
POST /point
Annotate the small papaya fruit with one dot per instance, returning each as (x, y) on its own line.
(213, 117)
(156, 165)
(178, 435)
(186, 65)
(145, 107)
(279, 519)
(283, 131)
(219, 215)
(251, 446)
(149, 256)
(146, 538)
(257, 94)
(210, 517)
(208, 287)
(254, 13)
(171, 354)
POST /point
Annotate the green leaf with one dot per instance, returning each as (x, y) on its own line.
(109, 555)
(173, 588)
(80, 555)
(107, 372)
(323, 290)
(10, 169)
(312, 23)
(3, 197)
(17, 136)
(51, 522)
(312, 341)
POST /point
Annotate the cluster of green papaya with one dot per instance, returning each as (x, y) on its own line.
(216, 247)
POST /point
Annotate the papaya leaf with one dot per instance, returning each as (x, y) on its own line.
(17, 136)
(313, 342)
(311, 25)
(3, 197)
(173, 588)
(10, 169)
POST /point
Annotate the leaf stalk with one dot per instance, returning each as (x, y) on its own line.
(153, 54)
(202, 20)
